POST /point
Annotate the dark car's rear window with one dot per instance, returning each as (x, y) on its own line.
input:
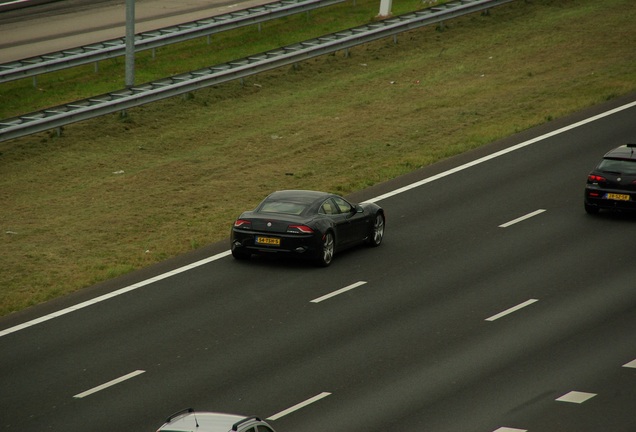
(283, 207)
(622, 166)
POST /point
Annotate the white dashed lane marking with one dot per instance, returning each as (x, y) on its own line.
(576, 397)
(109, 384)
(522, 218)
(299, 406)
(507, 429)
(631, 364)
(340, 291)
(512, 309)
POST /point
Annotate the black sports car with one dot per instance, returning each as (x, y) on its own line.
(309, 223)
(612, 184)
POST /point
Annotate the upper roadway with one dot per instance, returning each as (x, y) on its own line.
(42, 29)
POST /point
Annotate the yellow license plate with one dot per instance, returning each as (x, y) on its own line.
(270, 241)
(618, 197)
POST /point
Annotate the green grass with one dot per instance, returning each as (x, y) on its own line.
(82, 82)
(70, 217)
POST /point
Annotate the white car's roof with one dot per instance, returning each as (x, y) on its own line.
(206, 421)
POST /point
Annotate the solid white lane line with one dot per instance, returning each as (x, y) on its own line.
(378, 198)
(631, 364)
(299, 406)
(522, 218)
(576, 397)
(512, 309)
(340, 291)
(113, 294)
(109, 384)
(503, 152)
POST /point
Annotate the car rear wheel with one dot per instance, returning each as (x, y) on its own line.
(377, 231)
(326, 253)
(240, 253)
(591, 209)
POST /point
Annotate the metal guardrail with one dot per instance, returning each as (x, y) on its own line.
(180, 84)
(157, 38)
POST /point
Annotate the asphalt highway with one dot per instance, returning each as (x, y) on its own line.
(56, 26)
(494, 304)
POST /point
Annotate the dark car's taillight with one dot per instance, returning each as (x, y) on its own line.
(299, 229)
(593, 178)
(243, 224)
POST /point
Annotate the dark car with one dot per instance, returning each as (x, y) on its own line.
(612, 184)
(307, 223)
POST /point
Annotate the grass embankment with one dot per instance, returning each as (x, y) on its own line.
(112, 195)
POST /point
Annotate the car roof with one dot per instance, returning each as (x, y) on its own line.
(305, 197)
(203, 421)
(627, 151)
(299, 195)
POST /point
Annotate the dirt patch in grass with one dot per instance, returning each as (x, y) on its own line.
(116, 194)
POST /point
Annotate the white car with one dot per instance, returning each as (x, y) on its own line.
(188, 420)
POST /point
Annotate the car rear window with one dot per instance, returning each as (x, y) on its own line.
(622, 166)
(283, 207)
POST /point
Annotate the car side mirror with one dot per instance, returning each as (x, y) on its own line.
(357, 209)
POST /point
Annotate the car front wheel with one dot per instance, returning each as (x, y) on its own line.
(377, 231)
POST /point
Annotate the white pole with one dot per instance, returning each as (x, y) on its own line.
(385, 8)
(130, 43)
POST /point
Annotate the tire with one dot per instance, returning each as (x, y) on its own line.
(240, 254)
(377, 231)
(325, 255)
(591, 209)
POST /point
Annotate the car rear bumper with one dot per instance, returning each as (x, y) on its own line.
(294, 244)
(602, 199)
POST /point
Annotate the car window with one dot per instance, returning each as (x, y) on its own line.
(264, 429)
(618, 165)
(343, 206)
(328, 207)
(283, 207)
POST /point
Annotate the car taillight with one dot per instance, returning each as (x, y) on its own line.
(242, 223)
(593, 178)
(304, 229)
